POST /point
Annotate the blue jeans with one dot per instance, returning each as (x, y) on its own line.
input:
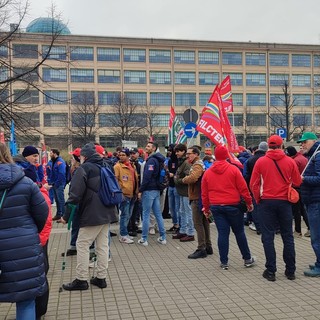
(26, 310)
(126, 208)
(174, 203)
(51, 195)
(185, 213)
(226, 217)
(59, 198)
(313, 212)
(151, 200)
(274, 214)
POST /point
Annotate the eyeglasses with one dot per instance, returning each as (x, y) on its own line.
(188, 153)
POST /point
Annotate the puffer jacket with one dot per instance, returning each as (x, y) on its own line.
(23, 216)
(83, 191)
(310, 187)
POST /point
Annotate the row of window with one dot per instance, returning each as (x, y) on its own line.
(162, 56)
(161, 120)
(55, 97)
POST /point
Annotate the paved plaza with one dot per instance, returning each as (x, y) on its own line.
(159, 282)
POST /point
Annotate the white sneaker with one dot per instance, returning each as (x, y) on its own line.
(152, 231)
(125, 240)
(252, 227)
(162, 241)
(143, 242)
(129, 237)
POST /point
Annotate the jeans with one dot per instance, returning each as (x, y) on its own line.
(274, 214)
(298, 210)
(126, 208)
(185, 213)
(226, 217)
(151, 200)
(174, 203)
(51, 195)
(59, 198)
(25, 310)
(313, 211)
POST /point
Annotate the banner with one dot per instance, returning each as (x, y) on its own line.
(176, 133)
(13, 145)
(226, 94)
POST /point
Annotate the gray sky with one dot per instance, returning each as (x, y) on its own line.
(280, 21)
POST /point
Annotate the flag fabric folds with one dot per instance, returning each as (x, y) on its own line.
(226, 94)
(176, 133)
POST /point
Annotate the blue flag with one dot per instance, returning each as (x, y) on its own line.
(13, 145)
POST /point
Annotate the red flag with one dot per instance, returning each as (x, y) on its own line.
(44, 161)
(172, 117)
(226, 94)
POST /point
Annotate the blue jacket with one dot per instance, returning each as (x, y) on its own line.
(29, 169)
(23, 216)
(310, 187)
(58, 173)
(151, 172)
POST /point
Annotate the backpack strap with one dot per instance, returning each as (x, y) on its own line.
(2, 199)
(275, 162)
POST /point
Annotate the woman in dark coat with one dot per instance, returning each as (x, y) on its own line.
(23, 215)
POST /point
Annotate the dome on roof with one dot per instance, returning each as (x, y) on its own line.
(47, 25)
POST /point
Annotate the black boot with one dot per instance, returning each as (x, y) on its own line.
(101, 283)
(198, 254)
(209, 250)
(76, 284)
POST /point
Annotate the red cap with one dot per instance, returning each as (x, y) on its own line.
(241, 148)
(221, 153)
(100, 150)
(76, 152)
(274, 141)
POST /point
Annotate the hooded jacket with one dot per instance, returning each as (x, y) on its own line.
(266, 181)
(23, 216)
(29, 169)
(223, 184)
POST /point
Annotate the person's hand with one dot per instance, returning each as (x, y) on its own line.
(206, 213)
(250, 208)
(139, 195)
(47, 186)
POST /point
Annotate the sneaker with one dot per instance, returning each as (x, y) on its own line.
(198, 254)
(179, 236)
(152, 231)
(249, 263)
(130, 237)
(311, 266)
(315, 272)
(209, 250)
(252, 226)
(126, 240)
(173, 229)
(76, 284)
(307, 234)
(143, 242)
(297, 234)
(290, 276)
(224, 266)
(162, 241)
(187, 238)
(56, 218)
(101, 283)
(70, 252)
(270, 276)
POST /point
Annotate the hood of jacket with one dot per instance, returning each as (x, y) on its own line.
(95, 158)
(220, 167)
(313, 149)
(9, 175)
(22, 161)
(276, 154)
(158, 156)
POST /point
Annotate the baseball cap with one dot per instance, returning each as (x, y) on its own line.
(134, 150)
(307, 136)
(76, 152)
(100, 150)
(275, 140)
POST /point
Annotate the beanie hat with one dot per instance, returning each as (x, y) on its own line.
(221, 153)
(263, 146)
(291, 151)
(275, 141)
(29, 150)
(88, 150)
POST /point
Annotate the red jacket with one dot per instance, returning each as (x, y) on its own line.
(223, 184)
(266, 181)
(300, 160)
(45, 233)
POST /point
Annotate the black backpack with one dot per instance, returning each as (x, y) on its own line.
(163, 177)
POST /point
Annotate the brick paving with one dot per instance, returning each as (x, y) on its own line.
(159, 282)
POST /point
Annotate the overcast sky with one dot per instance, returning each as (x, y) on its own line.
(280, 21)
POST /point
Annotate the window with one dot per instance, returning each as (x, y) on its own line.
(54, 75)
(208, 57)
(232, 58)
(278, 59)
(29, 76)
(237, 99)
(185, 99)
(82, 120)
(82, 75)
(278, 120)
(236, 119)
(28, 51)
(301, 60)
(160, 98)
(183, 56)
(255, 59)
(82, 97)
(203, 98)
(160, 120)
(3, 51)
(26, 96)
(208, 78)
(255, 79)
(4, 73)
(317, 100)
(27, 119)
(56, 52)
(134, 77)
(55, 119)
(277, 100)
(108, 54)
(303, 100)
(316, 60)
(185, 78)
(55, 97)
(160, 77)
(317, 119)
(81, 53)
(159, 56)
(113, 120)
(301, 80)
(108, 119)
(302, 120)
(256, 120)
(108, 76)
(236, 78)
(108, 98)
(134, 55)
(256, 100)
(316, 80)
(137, 98)
(4, 95)
(278, 80)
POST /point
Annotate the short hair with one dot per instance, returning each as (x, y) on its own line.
(56, 151)
(195, 150)
(154, 144)
(196, 146)
(180, 147)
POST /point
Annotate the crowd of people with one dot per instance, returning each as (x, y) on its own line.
(252, 189)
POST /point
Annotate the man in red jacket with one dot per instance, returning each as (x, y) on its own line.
(270, 191)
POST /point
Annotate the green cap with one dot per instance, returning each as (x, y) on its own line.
(307, 136)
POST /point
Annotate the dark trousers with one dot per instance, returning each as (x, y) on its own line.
(135, 217)
(59, 198)
(274, 213)
(298, 211)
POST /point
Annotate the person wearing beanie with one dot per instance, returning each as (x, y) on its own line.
(270, 191)
(222, 199)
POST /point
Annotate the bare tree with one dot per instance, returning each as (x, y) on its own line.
(152, 129)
